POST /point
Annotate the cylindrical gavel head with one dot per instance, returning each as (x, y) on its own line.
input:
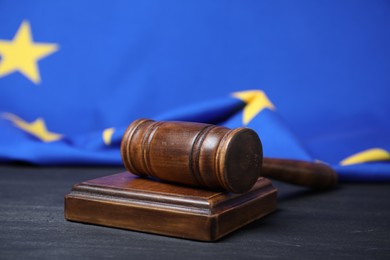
(194, 154)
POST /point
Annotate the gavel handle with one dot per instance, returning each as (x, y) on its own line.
(313, 175)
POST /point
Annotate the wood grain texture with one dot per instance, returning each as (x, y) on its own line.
(313, 175)
(211, 156)
(193, 154)
(126, 201)
(350, 222)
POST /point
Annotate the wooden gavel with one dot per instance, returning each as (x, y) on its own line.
(211, 156)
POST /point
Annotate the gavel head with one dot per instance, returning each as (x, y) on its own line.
(194, 154)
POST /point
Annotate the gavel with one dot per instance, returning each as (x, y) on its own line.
(210, 156)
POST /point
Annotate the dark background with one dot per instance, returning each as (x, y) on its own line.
(349, 222)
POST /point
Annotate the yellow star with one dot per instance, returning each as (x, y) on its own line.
(370, 155)
(256, 101)
(22, 54)
(107, 135)
(36, 128)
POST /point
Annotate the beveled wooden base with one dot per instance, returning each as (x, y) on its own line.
(125, 201)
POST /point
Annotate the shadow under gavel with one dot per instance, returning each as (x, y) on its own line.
(211, 156)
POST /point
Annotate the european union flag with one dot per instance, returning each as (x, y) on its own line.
(311, 77)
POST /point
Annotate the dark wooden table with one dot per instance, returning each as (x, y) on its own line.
(350, 222)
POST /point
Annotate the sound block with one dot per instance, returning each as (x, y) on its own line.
(125, 201)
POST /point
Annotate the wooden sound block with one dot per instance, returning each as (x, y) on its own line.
(125, 201)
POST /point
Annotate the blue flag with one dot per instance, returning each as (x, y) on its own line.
(311, 77)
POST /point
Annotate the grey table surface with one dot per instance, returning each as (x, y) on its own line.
(349, 222)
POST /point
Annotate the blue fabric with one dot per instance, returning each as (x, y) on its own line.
(324, 65)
